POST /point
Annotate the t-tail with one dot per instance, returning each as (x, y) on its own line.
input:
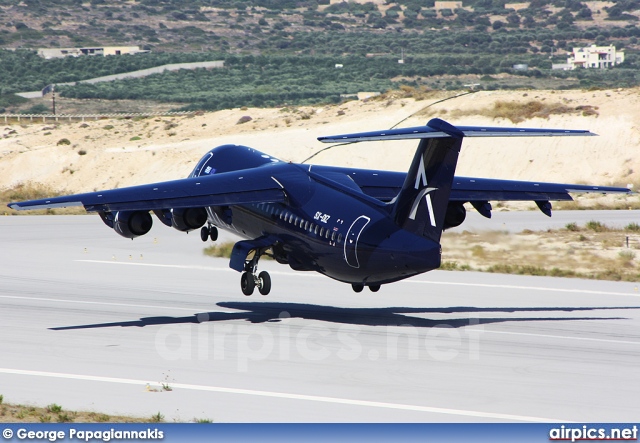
(421, 205)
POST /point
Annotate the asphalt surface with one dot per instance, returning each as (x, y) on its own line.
(92, 321)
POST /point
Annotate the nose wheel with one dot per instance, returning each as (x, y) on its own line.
(251, 279)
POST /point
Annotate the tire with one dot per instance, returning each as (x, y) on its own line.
(247, 284)
(265, 283)
(204, 233)
(374, 288)
(357, 287)
(213, 233)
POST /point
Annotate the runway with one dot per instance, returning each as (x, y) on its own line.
(94, 321)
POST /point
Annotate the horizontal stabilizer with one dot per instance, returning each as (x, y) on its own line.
(434, 129)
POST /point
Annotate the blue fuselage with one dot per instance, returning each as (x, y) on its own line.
(326, 227)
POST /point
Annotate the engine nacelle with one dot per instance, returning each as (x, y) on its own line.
(455, 215)
(188, 219)
(132, 224)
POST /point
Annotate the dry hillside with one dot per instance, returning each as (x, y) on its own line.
(104, 153)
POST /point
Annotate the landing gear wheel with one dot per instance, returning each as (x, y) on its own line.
(374, 288)
(204, 233)
(264, 285)
(213, 233)
(250, 277)
(357, 287)
(247, 283)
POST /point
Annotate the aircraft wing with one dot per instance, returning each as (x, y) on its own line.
(385, 185)
(478, 189)
(229, 188)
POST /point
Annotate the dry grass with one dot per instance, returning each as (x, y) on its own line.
(33, 191)
(593, 251)
(518, 112)
(405, 91)
(53, 413)
(219, 250)
(224, 250)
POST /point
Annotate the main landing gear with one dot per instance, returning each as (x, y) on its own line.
(357, 287)
(250, 278)
(207, 232)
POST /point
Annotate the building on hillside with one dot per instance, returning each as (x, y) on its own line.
(447, 5)
(96, 50)
(375, 2)
(593, 56)
(516, 6)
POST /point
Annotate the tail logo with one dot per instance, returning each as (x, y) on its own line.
(421, 179)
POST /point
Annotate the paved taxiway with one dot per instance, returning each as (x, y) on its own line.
(88, 319)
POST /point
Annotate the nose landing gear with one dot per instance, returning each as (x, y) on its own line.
(250, 279)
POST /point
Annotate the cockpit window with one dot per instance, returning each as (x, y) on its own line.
(202, 168)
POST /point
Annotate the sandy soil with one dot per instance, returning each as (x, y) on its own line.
(124, 152)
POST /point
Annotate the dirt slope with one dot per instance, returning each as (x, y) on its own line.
(123, 152)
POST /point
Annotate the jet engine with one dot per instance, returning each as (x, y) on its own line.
(188, 219)
(129, 224)
(455, 215)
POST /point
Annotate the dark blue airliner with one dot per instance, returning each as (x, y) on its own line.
(359, 226)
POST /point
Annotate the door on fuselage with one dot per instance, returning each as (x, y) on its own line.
(351, 241)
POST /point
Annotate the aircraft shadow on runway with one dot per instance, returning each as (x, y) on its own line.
(262, 312)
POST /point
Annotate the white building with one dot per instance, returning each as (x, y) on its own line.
(77, 52)
(595, 57)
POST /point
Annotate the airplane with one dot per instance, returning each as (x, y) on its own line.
(358, 226)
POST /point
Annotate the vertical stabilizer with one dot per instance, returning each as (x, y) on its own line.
(421, 205)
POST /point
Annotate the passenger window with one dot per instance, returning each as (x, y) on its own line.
(326, 235)
(316, 229)
(333, 236)
(321, 232)
(339, 238)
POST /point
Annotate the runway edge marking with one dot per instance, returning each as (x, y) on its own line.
(334, 400)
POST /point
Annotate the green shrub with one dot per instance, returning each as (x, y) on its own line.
(596, 226)
(54, 408)
(572, 226)
(157, 418)
(635, 227)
